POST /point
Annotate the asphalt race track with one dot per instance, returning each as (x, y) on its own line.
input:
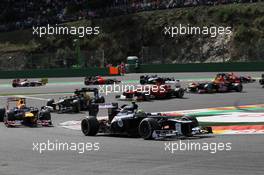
(120, 155)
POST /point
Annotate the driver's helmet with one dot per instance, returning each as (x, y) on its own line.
(22, 106)
(140, 111)
(87, 96)
(219, 79)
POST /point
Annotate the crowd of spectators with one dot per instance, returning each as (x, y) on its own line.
(24, 14)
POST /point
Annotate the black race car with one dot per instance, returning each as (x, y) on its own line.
(130, 121)
(98, 80)
(80, 101)
(154, 79)
(211, 87)
(261, 81)
(28, 83)
(24, 115)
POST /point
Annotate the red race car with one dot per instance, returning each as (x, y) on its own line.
(98, 80)
(164, 91)
(232, 78)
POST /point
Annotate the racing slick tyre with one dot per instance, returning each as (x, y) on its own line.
(179, 93)
(109, 81)
(90, 126)
(51, 104)
(76, 107)
(195, 122)
(101, 99)
(86, 83)
(32, 84)
(146, 128)
(142, 80)
(44, 115)
(117, 96)
(146, 97)
(11, 116)
(2, 114)
(142, 97)
(238, 88)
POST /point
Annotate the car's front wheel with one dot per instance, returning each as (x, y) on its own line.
(179, 93)
(239, 88)
(2, 114)
(146, 128)
(90, 126)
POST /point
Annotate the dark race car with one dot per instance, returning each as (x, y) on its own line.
(130, 121)
(232, 78)
(98, 80)
(23, 115)
(80, 101)
(261, 81)
(211, 87)
(28, 83)
(153, 79)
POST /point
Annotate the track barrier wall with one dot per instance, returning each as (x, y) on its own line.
(38, 73)
(198, 67)
(144, 68)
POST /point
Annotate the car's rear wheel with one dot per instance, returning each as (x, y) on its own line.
(179, 93)
(142, 82)
(2, 114)
(146, 128)
(10, 116)
(109, 81)
(76, 107)
(239, 88)
(51, 103)
(101, 99)
(90, 126)
(44, 115)
(146, 97)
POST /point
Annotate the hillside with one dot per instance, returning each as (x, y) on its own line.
(142, 34)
